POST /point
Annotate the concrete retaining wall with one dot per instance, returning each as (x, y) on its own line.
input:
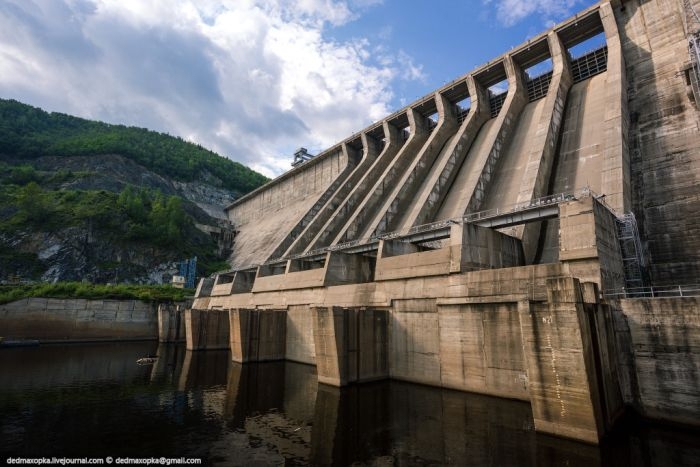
(300, 335)
(59, 320)
(171, 323)
(660, 343)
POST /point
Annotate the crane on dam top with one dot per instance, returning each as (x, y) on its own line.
(301, 155)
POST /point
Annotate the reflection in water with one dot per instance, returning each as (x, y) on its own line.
(93, 400)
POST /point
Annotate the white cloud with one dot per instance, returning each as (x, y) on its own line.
(251, 79)
(509, 12)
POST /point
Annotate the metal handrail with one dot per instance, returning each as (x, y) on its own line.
(472, 217)
(692, 290)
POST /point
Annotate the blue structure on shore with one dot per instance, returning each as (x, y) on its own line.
(188, 270)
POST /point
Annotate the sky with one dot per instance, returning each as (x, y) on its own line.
(253, 79)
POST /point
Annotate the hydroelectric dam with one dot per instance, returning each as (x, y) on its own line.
(527, 235)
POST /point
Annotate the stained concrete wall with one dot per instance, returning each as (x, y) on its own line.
(563, 382)
(664, 131)
(588, 243)
(659, 341)
(207, 329)
(396, 202)
(300, 345)
(481, 349)
(360, 224)
(483, 248)
(257, 335)
(351, 344)
(264, 217)
(52, 319)
(171, 323)
(414, 341)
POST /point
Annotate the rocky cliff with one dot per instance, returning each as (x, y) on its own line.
(71, 213)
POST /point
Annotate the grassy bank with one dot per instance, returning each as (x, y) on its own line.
(148, 293)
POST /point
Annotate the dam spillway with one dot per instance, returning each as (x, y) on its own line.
(479, 238)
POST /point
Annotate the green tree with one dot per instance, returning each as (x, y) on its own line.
(33, 202)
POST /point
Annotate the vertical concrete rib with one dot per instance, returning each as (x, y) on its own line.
(370, 206)
(389, 215)
(445, 169)
(323, 235)
(615, 181)
(542, 148)
(515, 101)
(352, 156)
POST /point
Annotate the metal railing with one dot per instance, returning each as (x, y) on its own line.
(523, 206)
(589, 65)
(655, 292)
(537, 203)
(496, 103)
(538, 86)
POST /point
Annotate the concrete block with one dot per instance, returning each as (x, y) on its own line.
(171, 323)
(300, 345)
(207, 329)
(257, 335)
(351, 345)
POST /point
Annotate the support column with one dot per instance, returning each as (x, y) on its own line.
(506, 122)
(171, 323)
(565, 391)
(347, 207)
(257, 335)
(538, 171)
(359, 225)
(351, 345)
(615, 183)
(206, 329)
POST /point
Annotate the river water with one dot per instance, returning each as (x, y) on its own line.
(93, 400)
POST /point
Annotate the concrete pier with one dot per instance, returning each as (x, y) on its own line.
(351, 345)
(171, 323)
(564, 361)
(257, 335)
(207, 329)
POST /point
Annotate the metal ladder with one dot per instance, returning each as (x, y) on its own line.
(632, 253)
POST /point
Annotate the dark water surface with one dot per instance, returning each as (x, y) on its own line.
(95, 401)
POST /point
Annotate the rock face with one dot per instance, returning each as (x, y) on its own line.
(87, 252)
(113, 172)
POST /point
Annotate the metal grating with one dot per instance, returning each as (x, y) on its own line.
(462, 114)
(589, 65)
(538, 86)
(496, 102)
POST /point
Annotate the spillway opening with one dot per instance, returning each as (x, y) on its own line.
(535, 61)
(431, 121)
(497, 96)
(588, 57)
(405, 133)
(296, 265)
(462, 107)
(223, 279)
(538, 78)
(275, 269)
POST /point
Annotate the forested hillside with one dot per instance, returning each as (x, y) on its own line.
(84, 200)
(28, 132)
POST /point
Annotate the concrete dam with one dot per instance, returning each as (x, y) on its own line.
(527, 231)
